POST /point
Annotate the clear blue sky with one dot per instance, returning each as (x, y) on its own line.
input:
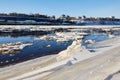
(96, 8)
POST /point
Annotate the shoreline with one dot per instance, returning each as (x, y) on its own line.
(59, 26)
(50, 59)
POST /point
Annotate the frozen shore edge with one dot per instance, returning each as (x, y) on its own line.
(23, 72)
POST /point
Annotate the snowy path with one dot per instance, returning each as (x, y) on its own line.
(96, 68)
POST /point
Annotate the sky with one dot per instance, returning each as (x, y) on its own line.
(95, 8)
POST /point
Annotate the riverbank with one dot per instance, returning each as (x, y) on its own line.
(82, 63)
(57, 26)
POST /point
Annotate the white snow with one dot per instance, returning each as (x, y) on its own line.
(89, 41)
(50, 27)
(62, 37)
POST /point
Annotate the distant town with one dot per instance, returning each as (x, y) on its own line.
(39, 19)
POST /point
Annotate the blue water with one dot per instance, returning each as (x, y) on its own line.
(96, 37)
(38, 49)
(9, 39)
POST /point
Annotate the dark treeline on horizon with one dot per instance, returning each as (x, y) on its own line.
(39, 19)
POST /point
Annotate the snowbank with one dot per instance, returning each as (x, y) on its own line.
(99, 67)
(69, 52)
